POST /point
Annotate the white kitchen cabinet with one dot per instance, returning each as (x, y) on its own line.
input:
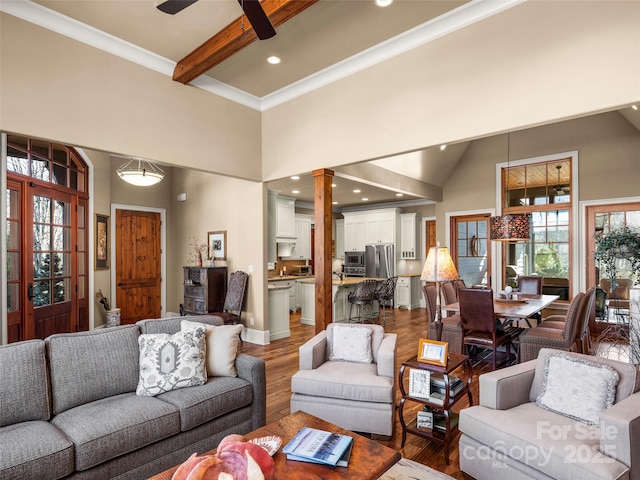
(278, 313)
(301, 249)
(339, 238)
(285, 217)
(408, 292)
(354, 233)
(271, 227)
(410, 236)
(294, 299)
(381, 228)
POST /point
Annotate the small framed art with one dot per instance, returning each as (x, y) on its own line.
(102, 252)
(433, 351)
(217, 242)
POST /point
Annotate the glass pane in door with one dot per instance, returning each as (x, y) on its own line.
(471, 255)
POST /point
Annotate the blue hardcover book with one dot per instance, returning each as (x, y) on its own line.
(318, 446)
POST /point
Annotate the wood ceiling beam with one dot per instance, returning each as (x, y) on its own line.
(232, 39)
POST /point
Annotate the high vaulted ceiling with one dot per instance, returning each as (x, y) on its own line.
(327, 40)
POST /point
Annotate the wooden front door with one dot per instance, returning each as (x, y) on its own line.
(51, 287)
(138, 266)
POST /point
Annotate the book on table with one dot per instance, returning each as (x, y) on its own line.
(319, 446)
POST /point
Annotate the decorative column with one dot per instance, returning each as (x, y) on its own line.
(322, 247)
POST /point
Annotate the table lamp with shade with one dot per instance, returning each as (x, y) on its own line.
(439, 268)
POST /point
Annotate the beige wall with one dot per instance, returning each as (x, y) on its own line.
(217, 203)
(533, 64)
(60, 89)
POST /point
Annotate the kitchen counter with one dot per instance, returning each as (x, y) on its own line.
(279, 278)
(278, 287)
(347, 282)
(410, 275)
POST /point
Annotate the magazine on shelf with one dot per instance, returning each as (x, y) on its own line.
(419, 383)
(319, 446)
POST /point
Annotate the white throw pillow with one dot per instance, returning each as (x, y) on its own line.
(351, 344)
(222, 347)
(577, 388)
(169, 362)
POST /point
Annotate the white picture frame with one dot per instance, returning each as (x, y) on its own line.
(419, 383)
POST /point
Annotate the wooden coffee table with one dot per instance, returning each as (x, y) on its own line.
(368, 461)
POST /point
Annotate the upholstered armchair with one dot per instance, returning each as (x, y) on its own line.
(347, 377)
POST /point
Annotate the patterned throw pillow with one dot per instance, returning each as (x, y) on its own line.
(577, 388)
(351, 344)
(169, 362)
(222, 347)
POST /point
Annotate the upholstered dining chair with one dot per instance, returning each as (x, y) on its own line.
(385, 295)
(582, 340)
(451, 329)
(449, 292)
(234, 299)
(479, 326)
(363, 297)
(533, 339)
(530, 285)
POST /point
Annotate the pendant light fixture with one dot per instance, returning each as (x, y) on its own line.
(139, 172)
(509, 227)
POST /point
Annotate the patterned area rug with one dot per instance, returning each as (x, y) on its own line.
(410, 470)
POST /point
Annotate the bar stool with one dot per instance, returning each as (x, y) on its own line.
(385, 295)
(363, 297)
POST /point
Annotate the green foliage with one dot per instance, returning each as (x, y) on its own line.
(617, 248)
(548, 262)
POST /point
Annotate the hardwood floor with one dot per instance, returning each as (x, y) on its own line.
(281, 358)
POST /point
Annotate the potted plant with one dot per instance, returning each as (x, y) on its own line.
(619, 250)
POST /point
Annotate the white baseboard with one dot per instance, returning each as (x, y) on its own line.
(259, 337)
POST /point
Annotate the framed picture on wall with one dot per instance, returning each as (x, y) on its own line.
(217, 242)
(102, 252)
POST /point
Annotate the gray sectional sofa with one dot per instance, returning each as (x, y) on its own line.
(68, 407)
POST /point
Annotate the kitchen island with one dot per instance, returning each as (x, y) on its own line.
(340, 290)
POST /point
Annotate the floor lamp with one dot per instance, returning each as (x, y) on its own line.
(439, 268)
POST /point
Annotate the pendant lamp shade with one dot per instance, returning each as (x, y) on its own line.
(141, 173)
(509, 228)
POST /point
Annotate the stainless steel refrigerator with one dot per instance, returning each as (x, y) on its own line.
(379, 261)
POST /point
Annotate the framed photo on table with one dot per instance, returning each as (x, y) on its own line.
(102, 252)
(217, 242)
(433, 351)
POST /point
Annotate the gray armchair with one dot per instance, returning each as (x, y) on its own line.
(355, 395)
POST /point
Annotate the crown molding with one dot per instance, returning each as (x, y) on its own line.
(463, 16)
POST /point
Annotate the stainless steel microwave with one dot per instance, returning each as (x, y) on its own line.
(354, 259)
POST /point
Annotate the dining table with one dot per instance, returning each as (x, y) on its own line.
(507, 310)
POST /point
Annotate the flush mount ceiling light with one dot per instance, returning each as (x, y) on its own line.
(141, 173)
(273, 60)
(442, 147)
(357, 190)
(383, 3)
(399, 194)
(295, 177)
(635, 107)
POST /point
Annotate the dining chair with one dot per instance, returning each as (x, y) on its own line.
(533, 339)
(582, 340)
(479, 326)
(363, 297)
(385, 295)
(530, 285)
(234, 299)
(449, 292)
(451, 329)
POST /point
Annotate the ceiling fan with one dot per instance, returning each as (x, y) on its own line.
(561, 189)
(252, 9)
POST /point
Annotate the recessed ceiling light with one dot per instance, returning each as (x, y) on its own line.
(333, 185)
(364, 199)
(295, 191)
(442, 147)
(399, 194)
(295, 177)
(334, 203)
(357, 190)
(384, 3)
(273, 60)
(635, 107)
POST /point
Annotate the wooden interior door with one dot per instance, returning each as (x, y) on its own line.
(430, 237)
(470, 249)
(138, 265)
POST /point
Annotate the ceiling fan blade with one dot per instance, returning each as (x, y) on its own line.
(174, 6)
(258, 18)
